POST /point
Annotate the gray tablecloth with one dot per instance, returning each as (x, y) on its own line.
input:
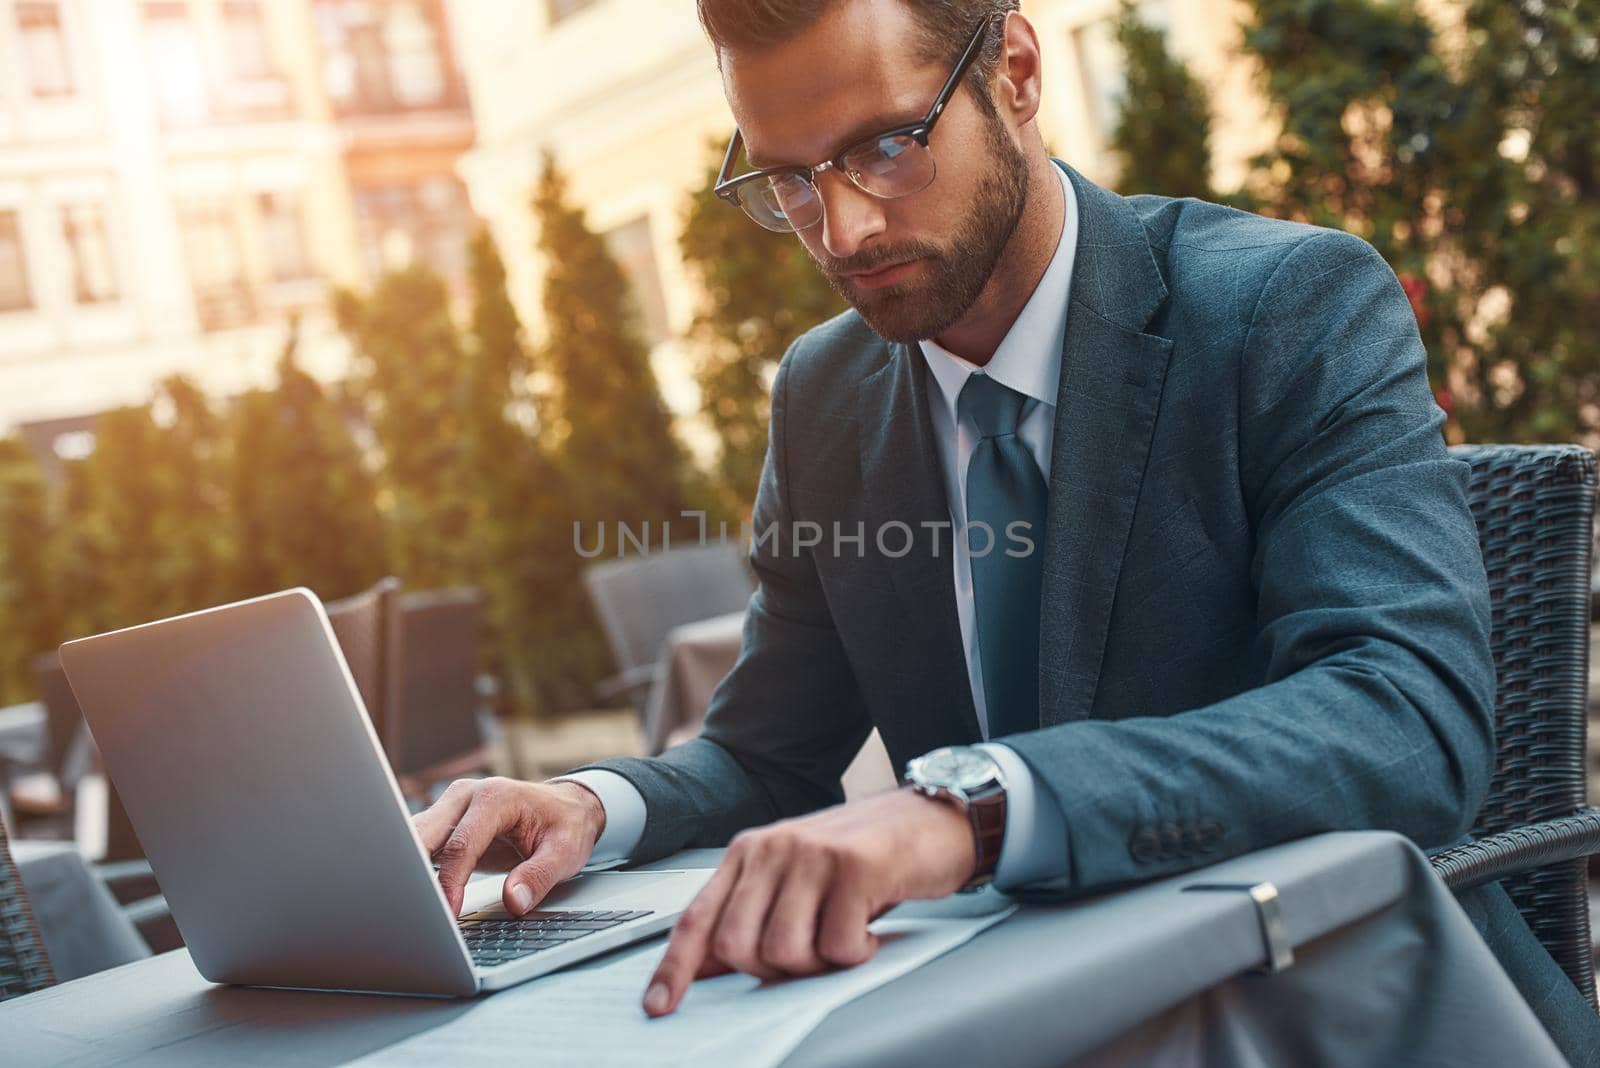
(1388, 972)
(694, 658)
(82, 928)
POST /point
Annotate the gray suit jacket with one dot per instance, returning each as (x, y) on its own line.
(1264, 613)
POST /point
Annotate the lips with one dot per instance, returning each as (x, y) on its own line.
(883, 276)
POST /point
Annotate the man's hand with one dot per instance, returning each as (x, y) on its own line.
(795, 897)
(552, 827)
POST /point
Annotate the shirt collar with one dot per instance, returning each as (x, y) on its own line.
(1029, 357)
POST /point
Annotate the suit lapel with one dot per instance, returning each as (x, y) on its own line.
(902, 481)
(1111, 379)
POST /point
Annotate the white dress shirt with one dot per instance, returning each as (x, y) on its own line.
(1028, 361)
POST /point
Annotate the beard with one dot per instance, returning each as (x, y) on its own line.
(953, 276)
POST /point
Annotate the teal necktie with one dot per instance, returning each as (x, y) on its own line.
(1004, 487)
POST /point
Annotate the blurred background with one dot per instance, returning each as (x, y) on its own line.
(313, 292)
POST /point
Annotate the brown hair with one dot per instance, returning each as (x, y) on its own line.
(945, 25)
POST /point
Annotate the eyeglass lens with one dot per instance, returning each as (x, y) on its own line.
(893, 166)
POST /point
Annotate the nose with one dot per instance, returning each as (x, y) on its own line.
(850, 217)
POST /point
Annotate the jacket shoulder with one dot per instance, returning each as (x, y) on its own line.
(841, 349)
(1218, 261)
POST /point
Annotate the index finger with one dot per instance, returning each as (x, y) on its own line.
(691, 937)
(434, 823)
(464, 845)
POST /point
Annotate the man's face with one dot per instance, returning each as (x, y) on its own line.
(855, 73)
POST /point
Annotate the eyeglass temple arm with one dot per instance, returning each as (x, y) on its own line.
(980, 33)
(732, 154)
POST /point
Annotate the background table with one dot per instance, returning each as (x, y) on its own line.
(1388, 971)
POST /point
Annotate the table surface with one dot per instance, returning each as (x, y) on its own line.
(1050, 985)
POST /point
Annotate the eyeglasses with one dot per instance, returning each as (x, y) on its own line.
(892, 164)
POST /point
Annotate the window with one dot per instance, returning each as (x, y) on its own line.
(14, 292)
(246, 43)
(634, 250)
(561, 9)
(175, 61)
(284, 236)
(94, 276)
(416, 70)
(44, 49)
(383, 57)
(427, 223)
(216, 265)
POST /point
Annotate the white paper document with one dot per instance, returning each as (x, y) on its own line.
(592, 1016)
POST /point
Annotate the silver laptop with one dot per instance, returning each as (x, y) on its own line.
(256, 784)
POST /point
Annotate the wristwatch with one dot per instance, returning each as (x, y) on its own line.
(966, 776)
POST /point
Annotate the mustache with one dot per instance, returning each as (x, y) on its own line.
(874, 259)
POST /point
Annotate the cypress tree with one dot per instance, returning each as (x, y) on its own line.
(541, 641)
(302, 501)
(606, 422)
(29, 613)
(408, 374)
(759, 291)
(1163, 132)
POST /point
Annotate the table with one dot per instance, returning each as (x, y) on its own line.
(83, 929)
(694, 659)
(1387, 970)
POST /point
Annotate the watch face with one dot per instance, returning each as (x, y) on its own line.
(960, 768)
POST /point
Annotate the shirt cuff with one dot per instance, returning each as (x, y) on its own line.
(624, 809)
(1035, 844)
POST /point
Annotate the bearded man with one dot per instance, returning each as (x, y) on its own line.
(1139, 538)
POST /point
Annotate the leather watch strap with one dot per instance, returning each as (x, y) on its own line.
(988, 816)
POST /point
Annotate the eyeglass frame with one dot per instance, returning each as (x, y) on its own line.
(728, 188)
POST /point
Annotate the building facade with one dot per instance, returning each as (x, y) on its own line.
(181, 178)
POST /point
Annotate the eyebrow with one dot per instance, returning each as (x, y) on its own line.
(861, 131)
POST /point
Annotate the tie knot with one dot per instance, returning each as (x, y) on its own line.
(994, 409)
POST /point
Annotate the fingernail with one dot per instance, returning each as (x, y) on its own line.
(521, 898)
(655, 999)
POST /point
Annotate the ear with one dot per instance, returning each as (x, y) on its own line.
(1017, 77)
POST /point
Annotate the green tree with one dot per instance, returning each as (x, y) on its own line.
(542, 643)
(408, 374)
(1472, 168)
(30, 619)
(605, 420)
(759, 291)
(302, 502)
(1163, 132)
(146, 533)
(1467, 159)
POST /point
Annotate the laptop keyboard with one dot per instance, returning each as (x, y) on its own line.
(497, 941)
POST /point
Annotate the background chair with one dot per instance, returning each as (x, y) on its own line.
(436, 731)
(367, 625)
(640, 599)
(1534, 507)
(24, 965)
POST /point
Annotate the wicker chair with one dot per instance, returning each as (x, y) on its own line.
(24, 966)
(1534, 506)
(435, 733)
(367, 625)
